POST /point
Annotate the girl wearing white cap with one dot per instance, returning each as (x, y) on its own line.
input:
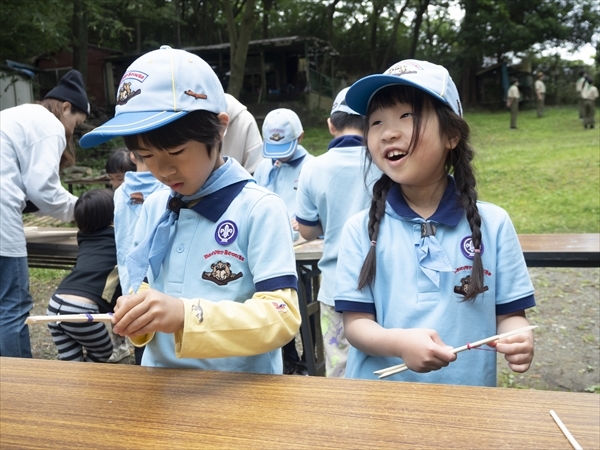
(35, 143)
(427, 267)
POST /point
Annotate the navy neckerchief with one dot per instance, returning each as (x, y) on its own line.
(215, 196)
(430, 254)
(349, 140)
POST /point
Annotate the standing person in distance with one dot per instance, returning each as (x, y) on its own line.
(512, 101)
(578, 88)
(427, 265)
(36, 142)
(330, 190)
(540, 93)
(589, 93)
(217, 296)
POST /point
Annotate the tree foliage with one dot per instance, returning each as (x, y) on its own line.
(368, 35)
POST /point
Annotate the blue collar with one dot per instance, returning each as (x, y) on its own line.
(449, 212)
(214, 205)
(349, 140)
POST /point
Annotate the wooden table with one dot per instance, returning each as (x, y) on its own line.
(561, 250)
(68, 405)
(540, 250)
(102, 180)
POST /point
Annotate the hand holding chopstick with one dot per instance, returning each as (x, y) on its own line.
(383, 373)
(70, 318)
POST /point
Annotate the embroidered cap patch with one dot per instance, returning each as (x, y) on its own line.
(226, 232)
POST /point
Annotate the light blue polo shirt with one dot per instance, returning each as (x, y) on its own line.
(286, 183)
(405, 296)
(127, 213)
(233, 243)
(331, 189)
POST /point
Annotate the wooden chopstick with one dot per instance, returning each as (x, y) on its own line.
(388, 371)
(70, 318)
(565, 431)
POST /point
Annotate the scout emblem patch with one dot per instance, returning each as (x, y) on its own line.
(226, 232)
(221, 273)
(467, 248)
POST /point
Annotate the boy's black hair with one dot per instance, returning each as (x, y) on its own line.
(200, 126)
(94, 210)
(119, 161)
(513, 80)
(458, 162)
(342, 120)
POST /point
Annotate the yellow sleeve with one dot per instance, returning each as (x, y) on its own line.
(140, 341)
(261, 324)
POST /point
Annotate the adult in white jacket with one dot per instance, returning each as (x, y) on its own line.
(35, 144)
(242, 140)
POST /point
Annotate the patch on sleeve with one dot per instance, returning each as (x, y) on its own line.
(198, 312)
(280, 306)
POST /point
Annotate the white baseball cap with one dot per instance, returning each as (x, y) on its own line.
(431, 78)
(340, 105)
(281, 130)
(158, 88)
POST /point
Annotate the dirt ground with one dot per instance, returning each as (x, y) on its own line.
(567, 342)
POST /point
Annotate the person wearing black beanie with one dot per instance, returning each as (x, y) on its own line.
(35, 143)
(71, 89)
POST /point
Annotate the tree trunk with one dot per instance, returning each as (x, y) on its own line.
(329, 19)
(423, 4)
(392, 41)
(80, 37)
(239, 51)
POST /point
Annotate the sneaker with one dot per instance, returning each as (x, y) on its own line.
(121, 352)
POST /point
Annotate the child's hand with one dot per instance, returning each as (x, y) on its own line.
(294, 225)
(146, 312)
(424, 350)
(517, 349)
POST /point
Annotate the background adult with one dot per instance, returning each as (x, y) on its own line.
(242, 139)
(540, 93)
(512, 101)
(35, 143)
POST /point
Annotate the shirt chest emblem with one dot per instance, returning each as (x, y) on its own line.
(226, 232)
(221, 273)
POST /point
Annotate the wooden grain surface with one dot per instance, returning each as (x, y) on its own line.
(68, 405)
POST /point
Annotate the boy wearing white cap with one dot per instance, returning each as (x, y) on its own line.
(207, 236)
(330, 190)
(279, 172)
(282, 134)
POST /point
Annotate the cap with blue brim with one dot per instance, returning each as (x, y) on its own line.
(430, 78)
(281, 130)
(158, 88)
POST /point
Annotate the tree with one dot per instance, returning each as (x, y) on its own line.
(80, 37)
(238, 43)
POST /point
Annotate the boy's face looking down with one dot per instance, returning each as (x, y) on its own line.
(184, 168)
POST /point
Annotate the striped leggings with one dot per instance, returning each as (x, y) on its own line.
(71, 338)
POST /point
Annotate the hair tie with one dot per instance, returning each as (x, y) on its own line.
(373, 243)
(477, 250)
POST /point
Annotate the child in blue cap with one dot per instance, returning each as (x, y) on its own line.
(216, 248)
(427, 266)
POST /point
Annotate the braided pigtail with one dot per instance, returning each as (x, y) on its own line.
(460, 160)
(376, 212)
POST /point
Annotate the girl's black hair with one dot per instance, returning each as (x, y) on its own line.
(119, 161)
(458, 162)
(199, 126)
(94, 210)
(342, 120)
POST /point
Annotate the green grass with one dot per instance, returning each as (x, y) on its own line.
(546, 174)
